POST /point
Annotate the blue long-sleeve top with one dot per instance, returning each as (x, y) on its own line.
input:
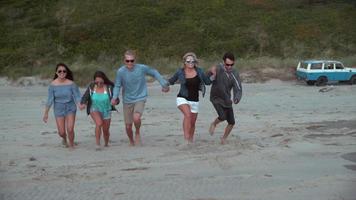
(133, 82)
(63, 94)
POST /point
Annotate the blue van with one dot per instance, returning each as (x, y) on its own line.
(320, 72)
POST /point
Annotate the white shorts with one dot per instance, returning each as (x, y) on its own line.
(194, 106)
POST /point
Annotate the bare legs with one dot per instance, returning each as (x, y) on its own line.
(65, 126)
(61, 129)
(188, 122)
(129, 132)
(101, 126)
(106, 132)
(213, 126)
(228, 129)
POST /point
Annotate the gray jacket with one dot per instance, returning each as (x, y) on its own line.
(225, 81)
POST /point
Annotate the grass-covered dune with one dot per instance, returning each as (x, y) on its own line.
(90, 34)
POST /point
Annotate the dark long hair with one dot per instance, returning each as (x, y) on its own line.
(102, 75)
(69, 74)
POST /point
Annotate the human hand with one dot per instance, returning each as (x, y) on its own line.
(115, 101)
(213, 70)
(236, 101)
(165, 89)
(81, 106)
(45, 118)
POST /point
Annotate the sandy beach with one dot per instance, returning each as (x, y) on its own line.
(291, 141)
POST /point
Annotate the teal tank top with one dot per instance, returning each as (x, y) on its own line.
(101, 102)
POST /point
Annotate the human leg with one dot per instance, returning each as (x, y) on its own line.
(97, 118)
(70, 121)
(213, 125)
(193, 120)
(106, 132)
(137, 114)
(129, 133)
(194, 109)
(228, 129)
(231, 122)
(137, 124)
(128, 118)
(60, 121)
(187, 118)
(221, 117)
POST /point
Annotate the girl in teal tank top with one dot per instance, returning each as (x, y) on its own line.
(97, 98)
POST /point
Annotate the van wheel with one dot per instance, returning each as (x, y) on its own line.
(353, 80)
(310, 82)
(322, 80)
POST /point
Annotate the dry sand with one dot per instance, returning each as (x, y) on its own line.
(292, 142)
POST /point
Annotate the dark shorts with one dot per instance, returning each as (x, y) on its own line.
(225, 113)
(64, 109)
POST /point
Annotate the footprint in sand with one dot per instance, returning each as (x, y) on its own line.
(135, 169)
(350, 157)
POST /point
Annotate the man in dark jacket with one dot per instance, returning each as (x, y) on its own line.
(226, 79)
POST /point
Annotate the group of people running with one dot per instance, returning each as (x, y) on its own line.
(102, 95)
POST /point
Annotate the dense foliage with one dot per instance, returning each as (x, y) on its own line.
(87, 34)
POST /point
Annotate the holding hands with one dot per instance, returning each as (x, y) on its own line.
(81, 106)
(165, 89)
(115, 101)
(213, 70)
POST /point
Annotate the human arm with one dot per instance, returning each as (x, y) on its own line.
(45, 115)
(154, 73)
(76, 94)
(174, 78)
(49, 103)
(116, 90)
(205, 77)
(237, 87)
(85, 98)
(212, 73)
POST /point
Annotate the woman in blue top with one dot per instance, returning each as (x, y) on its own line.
(191, 79)
(97, 98)
(64, 94)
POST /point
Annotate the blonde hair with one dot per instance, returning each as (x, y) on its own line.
(190, 54)
(130, 53)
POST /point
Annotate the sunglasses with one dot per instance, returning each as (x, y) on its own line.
(61, 71)
(129, 61)
(190, 62)
(230, 65)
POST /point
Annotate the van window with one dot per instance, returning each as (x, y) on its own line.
(316, 66)
(329, 66)
(303, 65)
(339, 66)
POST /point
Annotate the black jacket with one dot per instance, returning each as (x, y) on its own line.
(89, 91)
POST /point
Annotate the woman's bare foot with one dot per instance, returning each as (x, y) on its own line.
(64, 143)
(137, 139)
(132, 143)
